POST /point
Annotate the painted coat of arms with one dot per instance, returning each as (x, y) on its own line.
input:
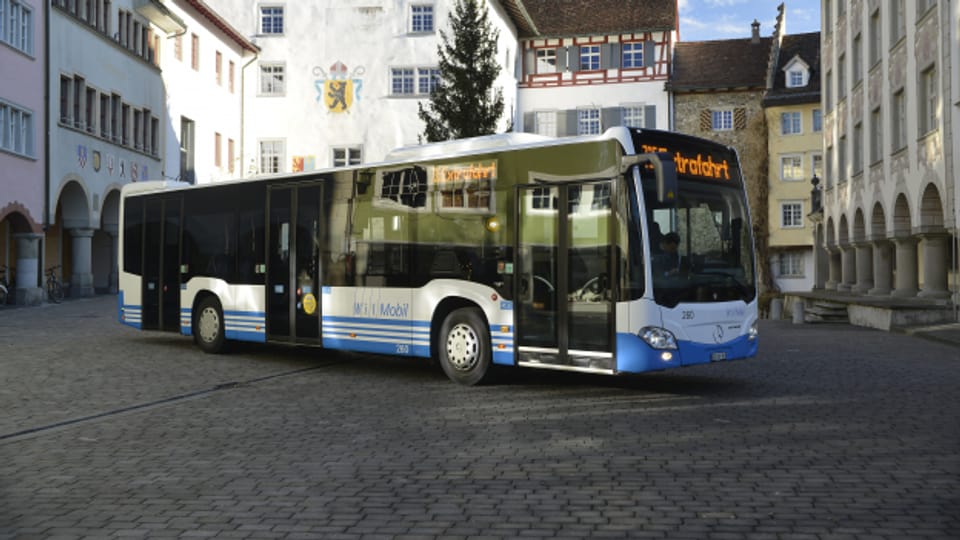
(336, 89)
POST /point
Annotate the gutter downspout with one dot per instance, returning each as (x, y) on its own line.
(45, 225)
(243, 115)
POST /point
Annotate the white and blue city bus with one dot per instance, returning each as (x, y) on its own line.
(510, 250)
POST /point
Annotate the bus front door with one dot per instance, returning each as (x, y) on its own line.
(161, 265)
(294, 265)
(565, 274)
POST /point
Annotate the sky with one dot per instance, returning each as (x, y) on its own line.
(703, 20)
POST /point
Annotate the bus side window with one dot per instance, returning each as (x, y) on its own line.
(133, 235)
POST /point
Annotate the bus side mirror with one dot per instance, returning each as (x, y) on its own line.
(663, 167)
(667, 179)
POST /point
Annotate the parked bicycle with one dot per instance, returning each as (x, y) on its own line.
(7, 291)
(54, 285)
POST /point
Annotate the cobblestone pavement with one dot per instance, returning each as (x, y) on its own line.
(833, 432)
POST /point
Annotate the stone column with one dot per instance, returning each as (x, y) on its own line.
(905, 283)
(848, 268)
(864, 257)
(882, 268)
(935, 263)
(81, 281)
(833, 270)
(28, 291)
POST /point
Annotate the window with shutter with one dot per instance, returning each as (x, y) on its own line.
(739, 118)
(706, 120)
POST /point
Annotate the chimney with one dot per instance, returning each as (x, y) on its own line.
(756, 32)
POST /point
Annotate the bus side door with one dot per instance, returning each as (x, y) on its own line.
(161, 264)
(565, 272)
(294, 263)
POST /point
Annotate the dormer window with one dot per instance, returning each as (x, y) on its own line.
(797, 73)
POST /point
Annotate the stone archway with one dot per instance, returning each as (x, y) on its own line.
(833, 257)
(863, 254)
(935, 244)
(105, 245)
(75, 233)
(906, 282)
(20, 254)
(882, 252)
(848, 261)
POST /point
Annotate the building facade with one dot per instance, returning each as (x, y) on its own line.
(889, 192)
(107, 109)
(795, 148)
(202, 67)
(22, 149)
(588, 66)
(718, 89)
(337, 83)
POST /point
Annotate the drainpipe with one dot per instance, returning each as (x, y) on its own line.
(243, 114)
(42, 258)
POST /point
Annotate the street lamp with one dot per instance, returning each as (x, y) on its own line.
(815, 194)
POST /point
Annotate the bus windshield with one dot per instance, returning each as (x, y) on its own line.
(700, 243)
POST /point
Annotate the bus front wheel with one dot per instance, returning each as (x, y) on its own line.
(208, 326)
(465, 346)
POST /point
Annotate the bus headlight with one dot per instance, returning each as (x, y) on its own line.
(753, 332)
(658, 338)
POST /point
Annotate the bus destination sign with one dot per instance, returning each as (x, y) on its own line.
(690, 165)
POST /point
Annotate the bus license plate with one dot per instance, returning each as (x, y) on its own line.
(717, 356)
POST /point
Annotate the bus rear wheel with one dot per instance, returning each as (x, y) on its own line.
(208, 331)
(465, 346)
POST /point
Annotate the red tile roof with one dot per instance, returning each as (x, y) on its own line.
(562, 18)
(722, 64)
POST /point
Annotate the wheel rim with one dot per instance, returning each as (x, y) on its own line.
(209, 325)
(463, 347)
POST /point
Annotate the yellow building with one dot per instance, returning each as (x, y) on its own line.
(795, 142)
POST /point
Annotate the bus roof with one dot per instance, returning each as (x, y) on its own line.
(430, 151)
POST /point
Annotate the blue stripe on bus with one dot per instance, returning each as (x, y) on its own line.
(245, 335)
(129, 314)
(635, 356)
(373, 320)
(238, 325)
(382, 347)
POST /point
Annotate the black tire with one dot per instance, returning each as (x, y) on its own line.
(464, 346)
(208, 327)
(55, 292)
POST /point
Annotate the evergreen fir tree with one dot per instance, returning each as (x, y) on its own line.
(464, 102)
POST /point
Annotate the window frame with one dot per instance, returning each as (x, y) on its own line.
(17, 130)
(272, 83)
(277, 153)
(632, 59)
(794, 262)
(587, 118)
(348, 158)
(414, 17)
(416, 76)
(590, 58)
(898, 120)
(796, 166)
(633, 111)
(927, 101)
(20, 34)
(791, 123)
(725, 117)
(539, 123)
(795, 218)
(544, 60)
(271, 20)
